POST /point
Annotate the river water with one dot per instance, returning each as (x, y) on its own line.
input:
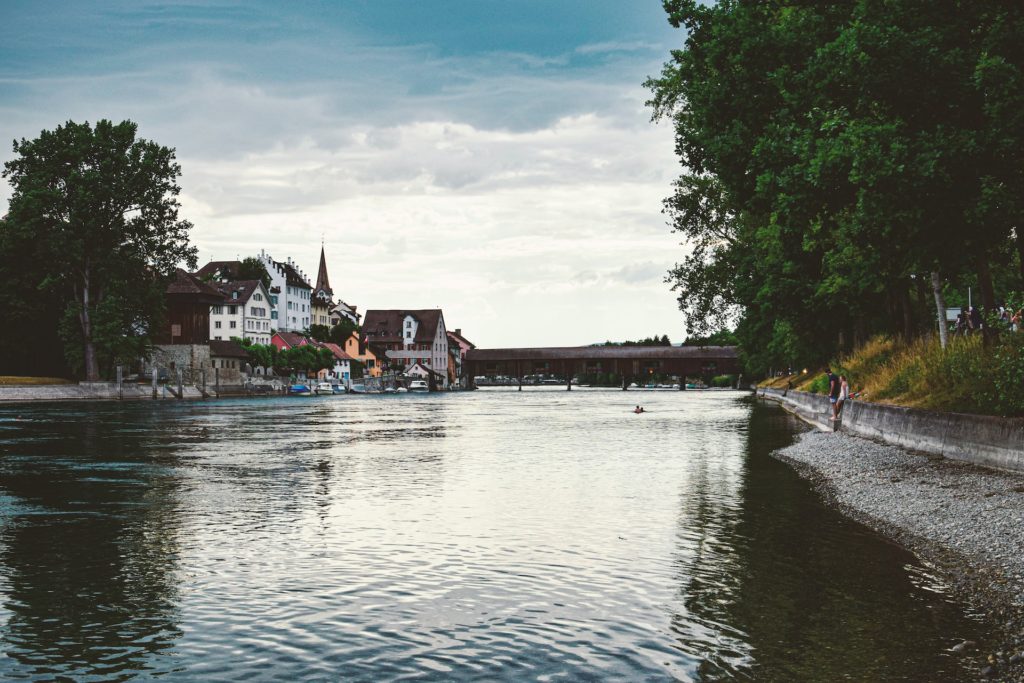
(544, 535)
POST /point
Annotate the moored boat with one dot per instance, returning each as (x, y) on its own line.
(299, 390)
(418, 385)
(324, 389)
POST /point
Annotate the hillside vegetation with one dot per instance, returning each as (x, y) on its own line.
(966, 377)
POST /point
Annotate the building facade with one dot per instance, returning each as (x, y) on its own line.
(290, 295)
(403, 338)
(245, 313)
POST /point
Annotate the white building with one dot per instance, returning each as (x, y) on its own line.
(245, 313)
(290, 295)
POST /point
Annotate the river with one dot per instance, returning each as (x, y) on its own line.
(542, 534)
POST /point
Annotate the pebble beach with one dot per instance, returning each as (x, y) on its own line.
(964, 520)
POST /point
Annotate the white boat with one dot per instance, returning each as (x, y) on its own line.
(418, 385)
(324, 388)
(338, 388)
(401, 390)
(359, 388)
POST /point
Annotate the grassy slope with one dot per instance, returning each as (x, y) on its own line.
(965, 377)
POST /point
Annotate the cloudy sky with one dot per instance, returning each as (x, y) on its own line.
(491, 157)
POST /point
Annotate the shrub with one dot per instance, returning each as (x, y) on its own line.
(723, 381)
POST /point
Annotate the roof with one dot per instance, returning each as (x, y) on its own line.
(322, 282)
(292, 276)
(458, 337)
(245, 289)
(227, 349)
(185, 284)
(336, 350)
(599, 352)
(221, 268)
(321, 298)
(291, 339)
(386, 325)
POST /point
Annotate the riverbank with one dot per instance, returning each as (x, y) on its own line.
(967, 521)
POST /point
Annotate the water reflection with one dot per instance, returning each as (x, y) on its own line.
(777, 588)
(89, 549)
(499, 534)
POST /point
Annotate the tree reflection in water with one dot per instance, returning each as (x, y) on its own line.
(89, 590)
(771, 580)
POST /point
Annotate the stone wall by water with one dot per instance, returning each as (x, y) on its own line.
(979, 439)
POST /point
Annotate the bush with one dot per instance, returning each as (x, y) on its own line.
(723, 381)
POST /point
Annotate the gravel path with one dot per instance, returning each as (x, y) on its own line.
(966, 520)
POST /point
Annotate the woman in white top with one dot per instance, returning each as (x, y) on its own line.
(844, 393)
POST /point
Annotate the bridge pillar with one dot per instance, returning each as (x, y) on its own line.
(682, 382)
(568, 376)
(625, 382)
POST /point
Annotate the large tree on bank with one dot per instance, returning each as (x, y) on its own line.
(97, 209)
(840, 158)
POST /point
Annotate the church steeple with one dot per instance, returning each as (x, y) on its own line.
(322, 282)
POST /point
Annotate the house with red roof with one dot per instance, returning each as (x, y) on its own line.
(288, 340)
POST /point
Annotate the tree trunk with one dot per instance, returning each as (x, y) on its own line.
(92, 366)
(940, 308)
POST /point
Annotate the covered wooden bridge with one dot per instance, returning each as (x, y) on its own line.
(631, 363)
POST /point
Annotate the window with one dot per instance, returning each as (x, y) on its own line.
(234, 295)
(234, 324)
(257, 297)
(273, 299)
(273, 315)
(217, 337)
(217, 310)
(408, 324)
(232, 310)
(216, 324)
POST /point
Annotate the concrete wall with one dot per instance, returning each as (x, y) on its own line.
(812, 408)
(979, 439)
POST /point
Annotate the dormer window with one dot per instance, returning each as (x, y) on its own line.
(234, 295)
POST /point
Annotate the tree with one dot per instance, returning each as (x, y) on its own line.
(837, 155)
(252, 268)
(102, 208)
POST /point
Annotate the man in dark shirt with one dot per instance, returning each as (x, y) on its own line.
(833, 392)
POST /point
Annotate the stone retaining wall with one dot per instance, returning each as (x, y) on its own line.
(979, 439)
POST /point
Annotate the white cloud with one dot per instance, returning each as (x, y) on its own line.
(528, 207)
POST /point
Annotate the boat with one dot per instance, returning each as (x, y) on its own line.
(390, 390)
(418, 385)
(338, 388)
(359, 388)
(324, 389)
(299, 390)
(401, 390)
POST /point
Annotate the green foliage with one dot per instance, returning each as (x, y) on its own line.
(261, 355)
(723, 381)
(663, 340)
(97, 210)
(337, 334)
(253, 269)
(723, 337)
(321, 333)
(836, 154)
(967, 376)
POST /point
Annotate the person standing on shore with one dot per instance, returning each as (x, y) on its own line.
(844, 394)
(833, 392)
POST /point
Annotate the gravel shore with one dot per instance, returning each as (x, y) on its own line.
(965, 520)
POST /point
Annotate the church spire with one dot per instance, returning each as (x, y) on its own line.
(321, 277)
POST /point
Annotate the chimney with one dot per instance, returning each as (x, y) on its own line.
(458, 331)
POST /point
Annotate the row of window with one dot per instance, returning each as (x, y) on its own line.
(299, 292)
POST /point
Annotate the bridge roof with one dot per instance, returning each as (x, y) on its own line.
(604, 352)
